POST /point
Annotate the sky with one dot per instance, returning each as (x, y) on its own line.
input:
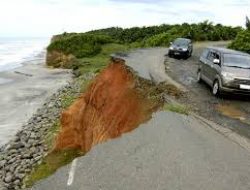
(43, 18)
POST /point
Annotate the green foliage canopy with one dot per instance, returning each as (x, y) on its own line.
(79, 45)
(242, 42)
(197, 32)
(90, 43)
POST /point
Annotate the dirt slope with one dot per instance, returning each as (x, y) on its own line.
(111, 106)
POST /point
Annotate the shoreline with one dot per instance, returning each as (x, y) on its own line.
(23, 91)
(37, 58)
(30, 105)
(27, 148)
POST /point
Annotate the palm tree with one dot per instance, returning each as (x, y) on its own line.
(247, 23)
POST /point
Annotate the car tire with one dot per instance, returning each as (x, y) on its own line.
(186, 56)
(199, 80)
(190, 54)
(216, 88)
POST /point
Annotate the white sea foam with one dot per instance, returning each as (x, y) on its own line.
(15, 51)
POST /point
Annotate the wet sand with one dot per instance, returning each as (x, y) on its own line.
(23, 90)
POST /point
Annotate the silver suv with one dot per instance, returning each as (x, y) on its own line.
(225, 70)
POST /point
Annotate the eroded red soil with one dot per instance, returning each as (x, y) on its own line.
(110, 107)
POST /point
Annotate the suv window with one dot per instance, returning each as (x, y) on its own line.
(210, 56)
(205, 53)
(181, 42)
(216, 56)
(213, 55)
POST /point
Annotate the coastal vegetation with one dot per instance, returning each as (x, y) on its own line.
(90, 51)
(79, 45)
(197, 32)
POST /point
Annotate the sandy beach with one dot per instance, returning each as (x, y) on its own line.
(23, 90)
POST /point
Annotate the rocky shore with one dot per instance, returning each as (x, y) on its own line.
(28, 147)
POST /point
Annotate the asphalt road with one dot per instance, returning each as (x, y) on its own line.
(149, 64)
(235, 109)
(171, 151)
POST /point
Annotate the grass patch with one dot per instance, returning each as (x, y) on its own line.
(50, 164)
(96, 63)
(51, 135)
(84, 85)
(178, 108)
(93, 64)
(67, 100)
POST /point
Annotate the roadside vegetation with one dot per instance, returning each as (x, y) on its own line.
(242, 40)
(51, 163)
(90, 51)
(177, 108)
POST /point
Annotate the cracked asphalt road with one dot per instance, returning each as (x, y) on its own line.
(171, 151)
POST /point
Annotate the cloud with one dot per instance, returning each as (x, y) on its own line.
(161, 11)
(239, 3)
(48, 17)
(159, 2)
(137, 1)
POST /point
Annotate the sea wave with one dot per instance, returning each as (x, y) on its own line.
(14, 51)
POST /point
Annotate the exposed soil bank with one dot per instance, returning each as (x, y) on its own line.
(112, 105)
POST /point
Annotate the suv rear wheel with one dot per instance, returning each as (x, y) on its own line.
(216, 88)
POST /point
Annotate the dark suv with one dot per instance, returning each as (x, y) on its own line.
(225, 70)
(181, 47)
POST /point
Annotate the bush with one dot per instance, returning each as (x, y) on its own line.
(197, 32)
(79, 45)
(242, 42)
(90, 43)
(159, 40)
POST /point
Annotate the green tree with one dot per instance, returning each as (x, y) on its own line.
(242, 42)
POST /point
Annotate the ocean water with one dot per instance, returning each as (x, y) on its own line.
(15, 51)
